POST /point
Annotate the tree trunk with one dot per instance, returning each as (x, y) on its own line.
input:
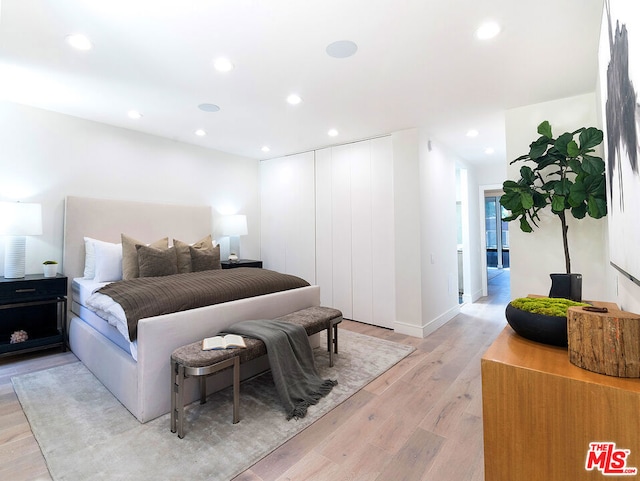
(565, 241)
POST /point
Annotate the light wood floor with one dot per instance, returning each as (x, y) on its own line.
(421, 420)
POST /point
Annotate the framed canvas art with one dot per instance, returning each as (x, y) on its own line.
(619, 60)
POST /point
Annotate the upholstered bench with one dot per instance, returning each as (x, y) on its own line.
(192, 361)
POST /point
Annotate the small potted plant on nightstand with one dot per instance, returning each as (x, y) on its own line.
(50, 268)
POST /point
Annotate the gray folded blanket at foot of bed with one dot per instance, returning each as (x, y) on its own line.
(291, 360)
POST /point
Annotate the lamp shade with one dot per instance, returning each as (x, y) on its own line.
(20, 219)
(234, 225)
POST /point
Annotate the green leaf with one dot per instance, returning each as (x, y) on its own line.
(557, 203)
(562, 142)
(597, 207)
(524, 225)
(538, 148)
(579, 211)
(509, 185)
(590, 138)
(511, 201)
(572, 149)
(511, 217)
(539, 200)
(544, 129)
(578, 194)
(562, 187)
(526, 200)
(522, 157)
(592, 165)
(527, 175)
(575, 165)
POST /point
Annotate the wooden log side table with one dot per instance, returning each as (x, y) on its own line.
(192, 361)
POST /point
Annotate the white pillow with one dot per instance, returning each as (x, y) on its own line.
(89, 258)
(108, 261)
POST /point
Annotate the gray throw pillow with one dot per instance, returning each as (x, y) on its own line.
(154, 262)
(205, 259)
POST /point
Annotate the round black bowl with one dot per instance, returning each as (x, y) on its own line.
(537, 327)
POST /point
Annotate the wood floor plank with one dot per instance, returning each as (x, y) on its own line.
(414, 459)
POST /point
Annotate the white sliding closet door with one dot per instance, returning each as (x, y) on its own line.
(288, 215)
(354, 230)
(361, 233)
(324, 228)
(382, 234)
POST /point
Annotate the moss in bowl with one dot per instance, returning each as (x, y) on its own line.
(541, 319)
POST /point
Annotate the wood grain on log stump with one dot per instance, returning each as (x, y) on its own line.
(606, 343)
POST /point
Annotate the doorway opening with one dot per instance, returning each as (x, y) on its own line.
(495, 240)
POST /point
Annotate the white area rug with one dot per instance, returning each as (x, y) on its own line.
(86, 434)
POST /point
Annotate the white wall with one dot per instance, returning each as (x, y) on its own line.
(473, 254)
(439, 255)
(535, 255)
(406, 186)
(46, 156)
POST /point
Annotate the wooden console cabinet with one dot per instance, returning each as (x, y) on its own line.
(540, 414)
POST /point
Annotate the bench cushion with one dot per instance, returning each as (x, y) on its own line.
(313, 319)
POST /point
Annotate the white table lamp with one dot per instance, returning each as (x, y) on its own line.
(234, 226)
(18, 220)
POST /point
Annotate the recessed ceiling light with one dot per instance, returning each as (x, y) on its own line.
(208, 107)
(472, 133)
(341, 49)
(487, 30)
(489, 151)
(200, 133)
(222, 64)
(332, 133)
(294, 99)
(134, 114)
(265, 148)
(79, 41)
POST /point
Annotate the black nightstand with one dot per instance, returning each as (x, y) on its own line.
(241, 263)
(37, 305)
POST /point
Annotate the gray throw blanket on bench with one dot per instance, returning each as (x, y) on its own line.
(291, 361)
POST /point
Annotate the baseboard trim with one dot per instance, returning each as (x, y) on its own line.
(426, 329)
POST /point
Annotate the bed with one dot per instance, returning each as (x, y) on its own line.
(142, 384)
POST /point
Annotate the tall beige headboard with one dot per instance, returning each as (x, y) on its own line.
(107, 219)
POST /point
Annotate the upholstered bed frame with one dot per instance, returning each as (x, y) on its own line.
(143, 385)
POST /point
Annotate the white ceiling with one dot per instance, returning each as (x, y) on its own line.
(418, 64)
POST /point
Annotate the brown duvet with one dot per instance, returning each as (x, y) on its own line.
(154, 296)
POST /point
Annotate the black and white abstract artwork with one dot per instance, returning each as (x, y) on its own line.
(619, 60)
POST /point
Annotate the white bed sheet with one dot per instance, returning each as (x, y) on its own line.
(83, 288)
(103, 314)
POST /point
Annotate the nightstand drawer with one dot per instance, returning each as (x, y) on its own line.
(31, 287)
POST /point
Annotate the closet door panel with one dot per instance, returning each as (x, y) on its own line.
(272, 223)
(299, 195)
(382, 233)
(324, 227)
(341, 235)
(288, 215)
(361, 233)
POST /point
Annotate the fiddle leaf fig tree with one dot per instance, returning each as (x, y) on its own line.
(562, 173)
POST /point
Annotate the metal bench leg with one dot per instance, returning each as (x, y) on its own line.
(330, 344)
(236, 389)
(203, 389)
(180, 401)
(174, 393)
